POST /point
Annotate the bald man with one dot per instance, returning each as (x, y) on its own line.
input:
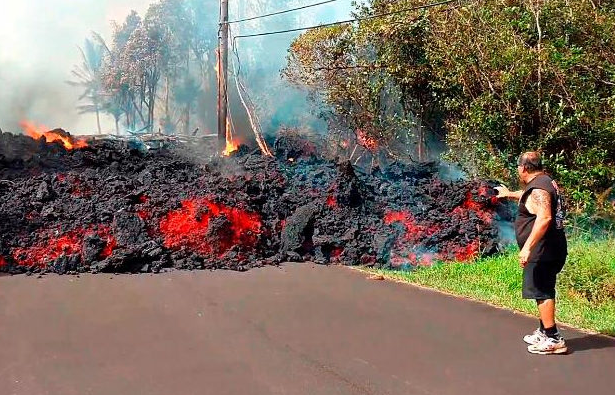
(540, 234)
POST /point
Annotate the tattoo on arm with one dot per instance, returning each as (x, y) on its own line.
(541, 202)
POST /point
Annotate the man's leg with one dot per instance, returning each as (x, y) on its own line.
(546, 308)
(553, 343)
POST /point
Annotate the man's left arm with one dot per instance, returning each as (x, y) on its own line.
(539, 204)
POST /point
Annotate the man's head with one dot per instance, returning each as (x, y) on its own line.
(528, 165)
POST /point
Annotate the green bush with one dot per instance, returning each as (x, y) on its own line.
(590, 270)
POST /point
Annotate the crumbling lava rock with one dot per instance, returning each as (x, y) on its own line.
(299, 229)
(109, 207)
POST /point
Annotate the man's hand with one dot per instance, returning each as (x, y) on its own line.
(524, 256)
(503, 192)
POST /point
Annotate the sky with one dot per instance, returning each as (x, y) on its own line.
(39, 42)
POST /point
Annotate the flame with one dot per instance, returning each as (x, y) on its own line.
(36, 132)
(231, 144)
(217, 64)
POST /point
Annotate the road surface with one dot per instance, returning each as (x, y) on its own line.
(296, 329)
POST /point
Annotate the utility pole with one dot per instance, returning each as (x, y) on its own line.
(222, 74)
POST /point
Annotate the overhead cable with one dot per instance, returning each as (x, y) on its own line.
(349, 20)
(282, 12)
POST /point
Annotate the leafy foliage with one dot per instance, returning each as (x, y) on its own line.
(496, 78)
(88, 76)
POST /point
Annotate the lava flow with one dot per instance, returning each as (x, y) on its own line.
(144, 211)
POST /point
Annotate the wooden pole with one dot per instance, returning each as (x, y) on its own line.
(222, 75)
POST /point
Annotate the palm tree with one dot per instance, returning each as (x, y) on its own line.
(89, 77)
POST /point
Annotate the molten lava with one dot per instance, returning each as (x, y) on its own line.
(472, 205)
(466, 253)
(414, 231)
(332, 201)
(49, 248)
(191, 227)
(36, 132)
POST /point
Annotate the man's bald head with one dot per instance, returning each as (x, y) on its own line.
(531, 161)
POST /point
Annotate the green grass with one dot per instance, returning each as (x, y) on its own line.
(586, 286)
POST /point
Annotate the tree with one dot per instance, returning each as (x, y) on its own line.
(88, 77)
(120, 94)
(495, 78)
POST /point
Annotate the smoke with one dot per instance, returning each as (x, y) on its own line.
(39, 42)
(262, 58)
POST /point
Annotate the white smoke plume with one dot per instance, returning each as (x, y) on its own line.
(40, 40)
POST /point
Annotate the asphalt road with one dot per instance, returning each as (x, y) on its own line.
(298, 329)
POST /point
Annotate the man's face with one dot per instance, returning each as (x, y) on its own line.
(522, 172)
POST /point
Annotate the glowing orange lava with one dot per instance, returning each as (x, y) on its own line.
(36, 132)
(189, 227)
(49, 247)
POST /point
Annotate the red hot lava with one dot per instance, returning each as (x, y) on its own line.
(476, 207)
(50, 248)
(414, 231)
(190, 227)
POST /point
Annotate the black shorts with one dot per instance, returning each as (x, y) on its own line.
(539, 279)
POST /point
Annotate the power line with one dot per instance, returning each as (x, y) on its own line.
(349, 20)
(282, 12)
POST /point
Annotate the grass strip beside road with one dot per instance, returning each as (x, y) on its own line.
(586, 286)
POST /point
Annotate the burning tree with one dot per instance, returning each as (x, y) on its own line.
(352, 78)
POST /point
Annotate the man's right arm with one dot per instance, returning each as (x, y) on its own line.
(503, 193)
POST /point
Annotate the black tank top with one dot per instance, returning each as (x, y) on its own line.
(552, 246)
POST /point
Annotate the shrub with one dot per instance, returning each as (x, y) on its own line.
(590, 270)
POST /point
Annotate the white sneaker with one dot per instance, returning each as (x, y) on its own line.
(549, 346)
(537, 337)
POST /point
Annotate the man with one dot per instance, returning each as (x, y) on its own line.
(540, 234)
